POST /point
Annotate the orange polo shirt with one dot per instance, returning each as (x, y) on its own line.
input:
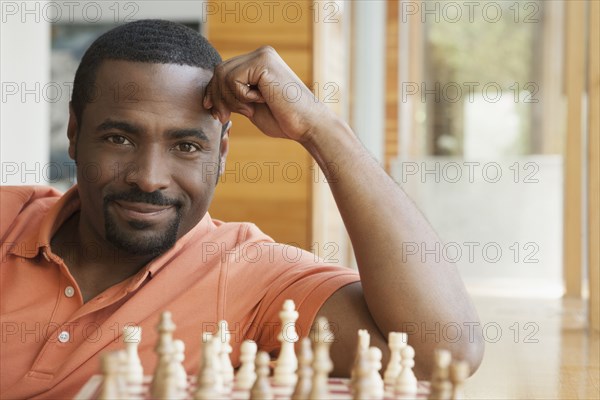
(51, 340)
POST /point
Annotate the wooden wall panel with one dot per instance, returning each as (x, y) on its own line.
(574, 84)
(392, 82)
(594, 163)
(280, 201)
(331, 49)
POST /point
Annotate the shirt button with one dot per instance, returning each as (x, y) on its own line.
(63, 337)
(69, 291)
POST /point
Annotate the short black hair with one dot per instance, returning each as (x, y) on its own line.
(150, 41)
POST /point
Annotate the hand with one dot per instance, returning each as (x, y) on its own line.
(262, 87)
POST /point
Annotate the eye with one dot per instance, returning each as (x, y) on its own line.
(118, 139)
(187, 147)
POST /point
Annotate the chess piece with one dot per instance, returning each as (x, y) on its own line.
(164, 349)
(217, 361)
(361, 384)
(111, 388)
(132, 336)
(459, 372)
(207, 387)
(396, 342)
(441, 388)
(122, 367)
(406, 383)
(176, 369)
(173, 387)
(261, 390)
(247, 373)
(376, 385)
(287, 363)
(322, 365)
(305, 372)
(362, 346)
(227, 372)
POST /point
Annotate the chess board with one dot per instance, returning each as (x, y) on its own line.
(339, 389)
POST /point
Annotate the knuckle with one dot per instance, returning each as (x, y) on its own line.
(219, 70)
(266, 50)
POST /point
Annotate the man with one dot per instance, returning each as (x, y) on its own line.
(148, 129)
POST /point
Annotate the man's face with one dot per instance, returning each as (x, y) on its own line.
(147, 154)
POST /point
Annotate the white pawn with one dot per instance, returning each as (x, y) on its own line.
(441, 388)
(125, 389)
(287, 363)
(322, 364)
(305, 372)
(362, 346)
(132, 336)
(261, 390)
(376, 385)
(396, 342)
(459, 372)
(406, 384)
(217, 345)
(225, 350)
(111, 389)
(178, 370)
(164, 349)
(247, 373)
(361, 385)
(207, 380)
(173, 387)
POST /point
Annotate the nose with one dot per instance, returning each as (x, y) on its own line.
(149, 171)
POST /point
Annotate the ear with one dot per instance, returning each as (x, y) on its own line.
(72, 132)
(224, 147)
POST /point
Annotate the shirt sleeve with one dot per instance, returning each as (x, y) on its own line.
(279, 272)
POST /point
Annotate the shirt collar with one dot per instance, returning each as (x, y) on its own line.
(58, 213)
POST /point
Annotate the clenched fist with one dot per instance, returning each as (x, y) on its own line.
(261, 86)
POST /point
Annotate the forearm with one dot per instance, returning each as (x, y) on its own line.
(402, 293)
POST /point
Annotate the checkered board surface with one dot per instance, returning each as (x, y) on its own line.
(339, 389)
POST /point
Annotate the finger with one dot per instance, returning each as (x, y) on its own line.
(208, 92)
(234, 101)
(249, 93)
(236, 96)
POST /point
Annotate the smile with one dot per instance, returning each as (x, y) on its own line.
(142, 211)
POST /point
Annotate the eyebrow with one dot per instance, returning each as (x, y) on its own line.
(183, 133)
(120, 125)
(174, 134)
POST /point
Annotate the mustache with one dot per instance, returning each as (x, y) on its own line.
(135, 195)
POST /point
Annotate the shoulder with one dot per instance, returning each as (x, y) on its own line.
(15, 201)
(232, 234)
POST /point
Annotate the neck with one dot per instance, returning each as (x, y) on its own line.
(94, 263)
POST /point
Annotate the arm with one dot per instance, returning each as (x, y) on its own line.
(397, 293)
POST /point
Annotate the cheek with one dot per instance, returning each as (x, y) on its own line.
(98, 170)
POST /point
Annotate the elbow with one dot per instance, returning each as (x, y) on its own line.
(468, 348)
(471, 350)
(468, 345)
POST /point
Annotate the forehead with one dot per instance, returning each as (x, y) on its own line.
(133, 89)
(130, 79)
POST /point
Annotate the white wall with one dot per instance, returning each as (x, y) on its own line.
(24, 114)
(368, 75)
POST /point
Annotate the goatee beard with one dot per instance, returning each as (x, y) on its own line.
(150, 245)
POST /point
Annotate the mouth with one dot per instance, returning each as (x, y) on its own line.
(142, 211)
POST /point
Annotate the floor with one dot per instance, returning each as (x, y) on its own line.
(536, 349)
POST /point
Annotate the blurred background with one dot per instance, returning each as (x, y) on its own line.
(485, 112)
